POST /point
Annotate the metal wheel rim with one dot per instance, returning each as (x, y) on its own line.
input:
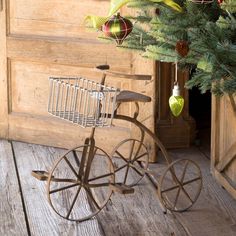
(141, 145)
(163, 199)
(111, 168)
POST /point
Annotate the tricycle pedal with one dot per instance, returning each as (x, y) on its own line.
(122, 188)
(40, 175)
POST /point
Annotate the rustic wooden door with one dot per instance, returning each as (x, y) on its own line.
(223, 151)
(42, 38)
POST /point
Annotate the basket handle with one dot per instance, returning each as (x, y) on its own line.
(105, 70)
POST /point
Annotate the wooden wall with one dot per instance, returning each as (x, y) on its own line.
(223, 148)
(42, 38)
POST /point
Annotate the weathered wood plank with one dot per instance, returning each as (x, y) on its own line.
(223, 142)
(134, 214)
(12, 220)
(3, 77)
(53, 17)
(42, 219)
(227, 159)
(28, 118)
(80, 53)
(214, 213)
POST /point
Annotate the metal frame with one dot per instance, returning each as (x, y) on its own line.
(89, 149)
(82, 101)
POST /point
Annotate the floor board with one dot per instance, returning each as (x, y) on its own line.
(42, 219)
(136, 214)
(12, 218)
(214, 214)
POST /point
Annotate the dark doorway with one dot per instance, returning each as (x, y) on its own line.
(200, 110)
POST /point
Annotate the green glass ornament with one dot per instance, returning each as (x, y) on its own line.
(176, 102)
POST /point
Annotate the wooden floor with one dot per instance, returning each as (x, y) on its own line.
(24, 208)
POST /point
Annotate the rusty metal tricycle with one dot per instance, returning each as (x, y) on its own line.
(82, 180)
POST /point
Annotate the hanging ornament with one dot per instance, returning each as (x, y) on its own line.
(202, 1)
(182, 48)
(220, 1)
(118, 28)
(176, 101)
(157, 11)
(97, 21)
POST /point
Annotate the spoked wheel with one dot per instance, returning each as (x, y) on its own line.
(79, 183)
(180, 185)
(131, 153)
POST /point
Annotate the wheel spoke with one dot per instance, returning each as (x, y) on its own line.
(138, 170)
(98, 185)
(126, 174)
(184, 172)
(175, 178)
(138, 157)
(71, 167)
(176, 198)
(64, 188)
(73, 202)
(191, 181)
(76, 158)
(186, 194)
(120, 168)
(92, 198)
(100, 177)
(170, 189)
(121, 156)
(64, 180)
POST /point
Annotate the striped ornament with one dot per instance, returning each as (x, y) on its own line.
(118, 28)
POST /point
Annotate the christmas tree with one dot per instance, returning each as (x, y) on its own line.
(198, 34)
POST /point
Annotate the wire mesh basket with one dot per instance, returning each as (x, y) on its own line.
(82, 101)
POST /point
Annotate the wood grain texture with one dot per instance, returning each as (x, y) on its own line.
(12, 220)
(224, 142)
(28, 97)
(214, 213)
(147, 110)
(3, 76)
(47, 38)
(227, 159)
(42, 219)
(233, 103)
(134, 214)
(54, 18)
(80, 52)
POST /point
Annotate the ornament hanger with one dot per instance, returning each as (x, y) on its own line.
(176, 74)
